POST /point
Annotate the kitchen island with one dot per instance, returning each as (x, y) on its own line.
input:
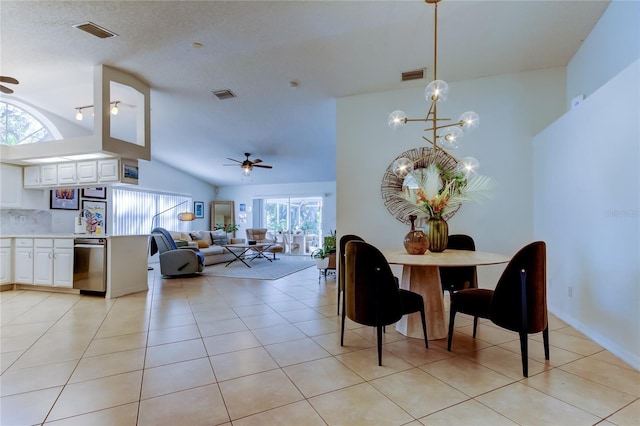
(45, 261)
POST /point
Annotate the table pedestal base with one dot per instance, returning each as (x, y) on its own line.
(424, 280)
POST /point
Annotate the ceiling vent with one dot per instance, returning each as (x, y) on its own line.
(96, 30)
(413, 75)
(224, 94)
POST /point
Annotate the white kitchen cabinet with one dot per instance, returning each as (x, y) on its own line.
(10, 186)
(43, 261)
(48, 175)
(86, 172)
(66, 173)
(63, 262)
(108, 170)
(53, 262)
(31, 176)
(23, 261)
(72, 174)
(5, 261)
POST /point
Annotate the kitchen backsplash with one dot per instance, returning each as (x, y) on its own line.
(22, 221)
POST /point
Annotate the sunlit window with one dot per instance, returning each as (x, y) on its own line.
(137, 212)
(18, 126)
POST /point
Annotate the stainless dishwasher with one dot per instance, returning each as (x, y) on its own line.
(90, 264)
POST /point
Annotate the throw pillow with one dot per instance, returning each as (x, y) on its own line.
(194, 236)
(219, 237)
(202, 244)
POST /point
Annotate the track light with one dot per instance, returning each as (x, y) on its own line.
(114, 109)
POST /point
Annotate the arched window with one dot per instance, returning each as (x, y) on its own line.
(21, 125)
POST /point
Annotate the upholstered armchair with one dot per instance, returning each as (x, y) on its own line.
(259, 235)
(175, 261)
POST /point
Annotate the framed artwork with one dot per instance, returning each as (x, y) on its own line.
(95, 212)
(64, 199)
(243, 207)
(198, 208)
(130, 171)
(94, 193)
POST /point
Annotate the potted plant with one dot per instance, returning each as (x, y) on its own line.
(228, 228)
(330, 242)
(321, 256)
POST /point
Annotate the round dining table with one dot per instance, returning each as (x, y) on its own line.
(421, 274)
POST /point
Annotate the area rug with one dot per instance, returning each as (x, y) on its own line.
(261, 269)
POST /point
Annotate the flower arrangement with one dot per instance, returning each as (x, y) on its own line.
(440, 193)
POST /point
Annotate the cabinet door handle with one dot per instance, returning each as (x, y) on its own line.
(30, 255)
(50, 255)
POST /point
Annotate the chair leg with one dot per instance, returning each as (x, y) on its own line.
(338, 304)
(343, 320)
(424, 328)
(545, 338)
(379, 331)
(452, 318)
(523, 351)
(475, 326)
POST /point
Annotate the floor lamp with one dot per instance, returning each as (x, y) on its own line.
(183, 217)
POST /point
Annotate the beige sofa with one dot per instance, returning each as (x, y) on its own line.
(209, 243)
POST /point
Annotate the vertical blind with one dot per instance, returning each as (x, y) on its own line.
(137, 212)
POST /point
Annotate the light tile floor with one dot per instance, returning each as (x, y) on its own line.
(219, 351)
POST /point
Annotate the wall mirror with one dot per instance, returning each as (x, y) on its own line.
(223, 212)
(392, 186)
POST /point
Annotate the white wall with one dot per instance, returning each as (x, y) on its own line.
(246, 194)
(587, 208)
(512, 108)
(612, 45)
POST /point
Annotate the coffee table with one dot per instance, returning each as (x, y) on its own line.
(259, 248)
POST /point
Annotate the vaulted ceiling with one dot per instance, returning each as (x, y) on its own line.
(256, 49)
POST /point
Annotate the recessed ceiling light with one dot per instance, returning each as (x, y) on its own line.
(196, 45)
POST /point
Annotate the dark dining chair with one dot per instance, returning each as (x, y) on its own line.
(342, 244)
(372, 294)
(519, 302)
(455, 278)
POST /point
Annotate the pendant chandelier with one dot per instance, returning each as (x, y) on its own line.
(442, 133)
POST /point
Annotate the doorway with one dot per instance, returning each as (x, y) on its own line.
(295, 221)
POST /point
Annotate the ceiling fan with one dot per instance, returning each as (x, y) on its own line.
(248, 165)
(5, 89)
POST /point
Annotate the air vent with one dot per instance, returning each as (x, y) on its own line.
(224, 94)
(413, 75)
(96, 30)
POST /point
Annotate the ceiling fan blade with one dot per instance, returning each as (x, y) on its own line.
(234, 165)
(237, 161)
(11, 80)
(257, 160)
(6, 90)
(262, 166)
